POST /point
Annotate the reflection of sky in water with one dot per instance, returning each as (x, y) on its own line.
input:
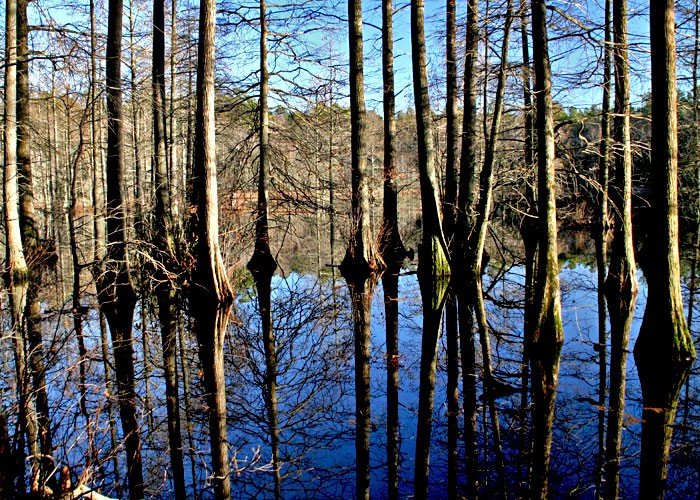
(328, 470)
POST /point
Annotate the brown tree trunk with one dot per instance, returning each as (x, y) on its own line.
(664, 350)
(467, 182)
(621, 285)
(529, 234)
(16, 273)
(115, 292)
(449, 222)
(547, 332)
(392, 251)
(434, 266)
(34, 251)
(166, 294)
(361, 265)
(210, 293)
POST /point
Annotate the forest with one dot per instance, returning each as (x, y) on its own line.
(324, 250)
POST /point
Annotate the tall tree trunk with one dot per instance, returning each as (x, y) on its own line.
(664, 350)
(449, 222)
(392, 251)
(211, 296)
(34, 250)
(115, 292)
(547, 332)
(529, 234)
(361, 265)
(16, 273)
(467, 182)
(434, 266)
(99, 233)
(600, 236)
(166, 294)
(621, 285)
(262, 264)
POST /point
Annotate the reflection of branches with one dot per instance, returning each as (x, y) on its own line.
(312, 374)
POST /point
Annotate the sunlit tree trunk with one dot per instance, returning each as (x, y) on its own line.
(34, 250)
(17, 273)
(362, 264)
(547, 331)
(664, 350)
(434, 266)
(210, 293)
(621, 285)
(115, 292)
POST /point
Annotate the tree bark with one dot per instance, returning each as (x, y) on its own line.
(211, 296)
(17, 272)
(664, 350)
(362, 264)
(166, 294)
(34, 251)
(621, 285)
(434, 266)
(449, 223)
(467, 182)
(392, 251)
(547, 332)
(115, 291)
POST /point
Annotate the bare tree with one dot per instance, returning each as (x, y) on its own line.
(664, 350)
(547, 333)
(210, 293)
(115, 291)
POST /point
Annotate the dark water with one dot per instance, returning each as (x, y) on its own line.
(317, 406)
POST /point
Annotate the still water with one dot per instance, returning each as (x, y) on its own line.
(313, 328)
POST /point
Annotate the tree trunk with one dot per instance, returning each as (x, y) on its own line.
(211, 296)
(392, 251)
(115, 292)
(166, 294)
(467, 182)
(600, 236)
(34, 251)
(529, 234)
(621, 285)
(547, 332)
(434, 266)
(449, 222)
(664, 350)
(482, 212)
(17, 273)
(262, 264)
(361, 265)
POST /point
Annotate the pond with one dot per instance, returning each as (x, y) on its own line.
(316, 401)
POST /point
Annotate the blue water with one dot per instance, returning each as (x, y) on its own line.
(313, 328)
